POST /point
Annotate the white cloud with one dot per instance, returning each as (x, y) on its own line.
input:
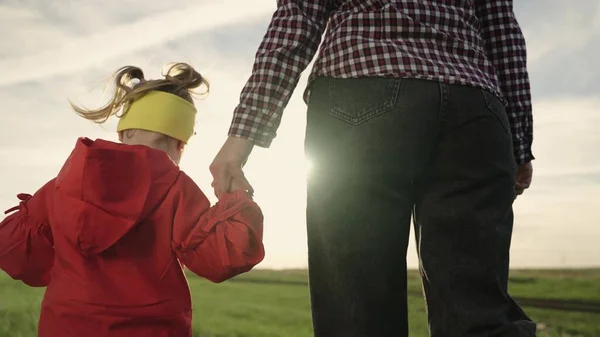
(563, 29)
(28, 34)
(563, 46)
(77, 53)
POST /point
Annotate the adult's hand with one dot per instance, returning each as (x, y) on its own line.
(524, 177)
(226, 168)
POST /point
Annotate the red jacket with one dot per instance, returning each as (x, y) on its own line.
(109, 237)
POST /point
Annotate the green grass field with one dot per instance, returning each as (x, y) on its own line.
(238, 308)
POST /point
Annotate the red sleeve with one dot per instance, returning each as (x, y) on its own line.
(26, 243)
(217, 242)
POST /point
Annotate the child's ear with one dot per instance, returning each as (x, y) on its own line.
(180, 146)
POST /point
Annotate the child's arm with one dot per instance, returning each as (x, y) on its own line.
(217, 242)
(26, 242)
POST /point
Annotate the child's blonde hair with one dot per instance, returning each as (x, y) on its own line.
(181, 79)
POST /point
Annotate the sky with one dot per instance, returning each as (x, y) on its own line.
(55, 51)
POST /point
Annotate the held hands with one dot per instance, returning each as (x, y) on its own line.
(226, 168)
(524, 177)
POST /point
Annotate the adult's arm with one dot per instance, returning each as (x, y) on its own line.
(289, 45)
(505, 45)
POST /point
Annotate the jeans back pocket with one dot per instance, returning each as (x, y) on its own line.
(357, 100)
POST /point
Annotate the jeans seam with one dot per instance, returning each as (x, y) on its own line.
(443, 102)
(493, 109)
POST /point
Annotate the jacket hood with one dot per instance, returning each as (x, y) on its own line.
(105, 189)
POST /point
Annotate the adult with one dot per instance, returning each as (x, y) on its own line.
(414, 107)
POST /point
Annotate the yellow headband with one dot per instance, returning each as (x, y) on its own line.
(161, 112)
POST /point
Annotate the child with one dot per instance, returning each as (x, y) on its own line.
(109, 236)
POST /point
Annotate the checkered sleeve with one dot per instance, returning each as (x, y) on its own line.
(505, 45)
(289, 45)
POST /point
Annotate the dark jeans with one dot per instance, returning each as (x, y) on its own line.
(384, 149)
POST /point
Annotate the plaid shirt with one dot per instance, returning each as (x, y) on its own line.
(477, 43)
